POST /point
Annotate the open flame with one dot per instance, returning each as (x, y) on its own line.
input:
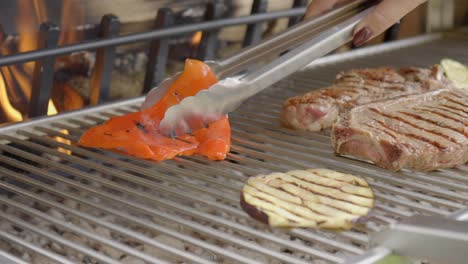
(11, 113)
(196, 39)
(16, 80)
(16, 116)
(72, 17)
(52, 110)
(41, 11)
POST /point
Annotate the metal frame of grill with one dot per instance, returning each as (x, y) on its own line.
(104, 38)
(128, 204)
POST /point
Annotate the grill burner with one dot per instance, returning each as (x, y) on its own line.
(96, 206)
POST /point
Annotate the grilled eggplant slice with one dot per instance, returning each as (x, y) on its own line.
(318, 198)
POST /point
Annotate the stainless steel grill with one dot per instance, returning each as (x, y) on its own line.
(62, 203)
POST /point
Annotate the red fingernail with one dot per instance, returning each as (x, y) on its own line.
(363, 35)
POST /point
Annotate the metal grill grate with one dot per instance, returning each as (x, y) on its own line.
(62, 203)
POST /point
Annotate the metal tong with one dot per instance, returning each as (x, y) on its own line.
(302, 43)
(434, 238)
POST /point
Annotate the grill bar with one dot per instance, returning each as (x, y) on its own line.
(13, 239)
(164, 203)
(137, 37)
(208, 44)
(105, 224)
(100, 79)
(69, 227)
(187, 209)
(126, 190)
(7, 258)
(130, 218)
(158, 52)
(199, 243)
(43, 75)
(83, 162)
(253, 33)
(140, 170)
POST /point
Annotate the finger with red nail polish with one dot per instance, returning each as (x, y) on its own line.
(362, 36)
(385, 14)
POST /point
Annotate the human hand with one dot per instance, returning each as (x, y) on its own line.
(386, 13)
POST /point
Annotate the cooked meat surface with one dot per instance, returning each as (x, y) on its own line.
(423, 132)
(319, 109)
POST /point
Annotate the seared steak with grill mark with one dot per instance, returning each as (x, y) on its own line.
(423, 132)
(319, 109)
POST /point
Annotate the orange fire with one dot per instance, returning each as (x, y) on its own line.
(16, 80)
(41, 11)
(15, 116)
(11, 113)
(72, 17)
(52, 110)
(197, 38)
(27, 22)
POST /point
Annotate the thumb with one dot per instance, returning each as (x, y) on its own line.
(386, 13)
